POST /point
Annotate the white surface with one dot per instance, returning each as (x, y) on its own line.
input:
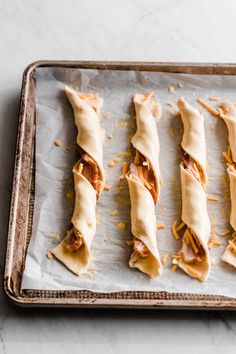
(115, 30)
(55, 120)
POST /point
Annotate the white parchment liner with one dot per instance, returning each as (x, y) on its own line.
(53, 209)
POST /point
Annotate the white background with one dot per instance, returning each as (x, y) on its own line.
(105, 30)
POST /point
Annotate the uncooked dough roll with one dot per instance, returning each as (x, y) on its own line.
(144, 186)
(194, 254)
(75, 249)
(228, 113)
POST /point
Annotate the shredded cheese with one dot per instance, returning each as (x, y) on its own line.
(116, 159)
(124, 168)
(175, 256)
(210, 109)
(58, 143)
(173, 229)
(214, 241)
(81, 166)
(107, 187)
(180, 226)
(213, 98)
(174, 267)
(50, 255)
(232, 246)
(192, 242)
(160, 226)
(227, 157)
(130, 242)
(212, 199)
(225, 233)
(165, 259)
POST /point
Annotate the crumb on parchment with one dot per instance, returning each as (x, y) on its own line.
(50, 255)
(171, 89)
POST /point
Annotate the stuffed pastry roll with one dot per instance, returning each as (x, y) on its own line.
(144, 186)
(75, 249)
(194, 254)
(228, 113)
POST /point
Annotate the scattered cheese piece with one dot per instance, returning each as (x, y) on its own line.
(192, 241)
(225, 232)
(173, 229)
(210, 109)
(124, 168)
(116, 159)
(213, 98)
(174, 267)
(232, 246)
(171, 89)
(227, 157)
(214, 241)
(175, 261)
(165, 259)
(180, 226)
(212, 199)
(180, 84)
(58, 143)
(130, 242)
(66, 149)
(110, 136)
(160, 226)
(175, 256)
(107, 187)
(121, 225)
(114, 212)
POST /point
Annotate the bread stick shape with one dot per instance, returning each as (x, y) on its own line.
(144, 186)
(74, 251)
(228, 114)
(194, 253)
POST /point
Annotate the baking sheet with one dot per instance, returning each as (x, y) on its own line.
(53, 202)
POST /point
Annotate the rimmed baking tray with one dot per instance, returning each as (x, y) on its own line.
(22, 206)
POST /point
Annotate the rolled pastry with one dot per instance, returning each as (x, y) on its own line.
(228, 113)
(144, 185)
(194, 254)
(74, 251)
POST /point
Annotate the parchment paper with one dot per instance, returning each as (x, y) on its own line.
(54, 204)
